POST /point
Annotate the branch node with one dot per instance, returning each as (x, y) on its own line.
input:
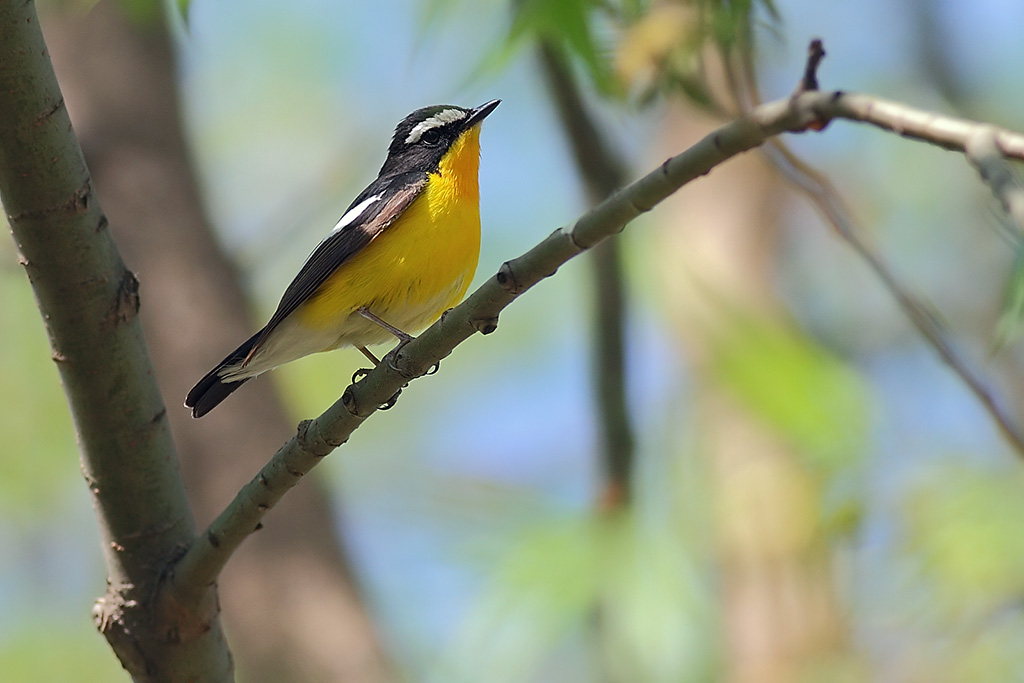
(300, 432)
(212, 539)
(485, 325)
(348, 399)
(49, 112)
(577, 245)
(506, 278)
(126, 303)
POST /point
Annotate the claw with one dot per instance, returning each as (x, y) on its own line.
(390, 403)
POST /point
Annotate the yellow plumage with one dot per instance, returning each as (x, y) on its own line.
(419, 266)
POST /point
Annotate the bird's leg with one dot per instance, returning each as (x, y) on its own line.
(363, 372)
(403, 339)
(369, 354)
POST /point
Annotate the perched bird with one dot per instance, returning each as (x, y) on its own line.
(403, 253)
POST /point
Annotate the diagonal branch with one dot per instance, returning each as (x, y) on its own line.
(979, 142)
(479, 312)
(825, 197)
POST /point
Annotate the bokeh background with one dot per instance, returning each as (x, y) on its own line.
(815, 496)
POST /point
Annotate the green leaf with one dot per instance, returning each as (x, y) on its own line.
(808, 395)
(568, 24)
(142, 12)
(637, 583)
(965, 524)
(44, 651)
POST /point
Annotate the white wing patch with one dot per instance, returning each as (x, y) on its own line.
(354, 213)
(350, 216)
(441, 118)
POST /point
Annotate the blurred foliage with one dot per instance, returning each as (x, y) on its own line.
(635, 583)
(144, 12)
(964, 525)
(643, 582)
(798, 388)
(569, 26)
(46, 652)
(34, 421)
(1012, 316)
(641, 48)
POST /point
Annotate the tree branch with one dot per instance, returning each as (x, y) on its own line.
(979, 142)
(983, 152)
(947, 132)
(479, 312)
(90, 305)
(825, 197)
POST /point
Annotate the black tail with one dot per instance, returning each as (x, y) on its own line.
(211, 389)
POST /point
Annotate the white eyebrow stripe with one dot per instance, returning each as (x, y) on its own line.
(355, 212)
(441, 118)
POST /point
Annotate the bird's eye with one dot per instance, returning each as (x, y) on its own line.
(431, 137)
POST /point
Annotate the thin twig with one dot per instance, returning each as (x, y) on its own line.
(825, 197)
(980, 144)
(948, 132)
(815, 53)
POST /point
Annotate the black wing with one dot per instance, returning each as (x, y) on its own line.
(396, 193)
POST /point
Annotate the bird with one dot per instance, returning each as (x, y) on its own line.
(404, 251)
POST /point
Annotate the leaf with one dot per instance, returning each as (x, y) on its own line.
(729, 22)
(809, 396)
(142, 12)
(965, 523)
(43, 650)
(636, 581)
(566, 24)
(569, 26)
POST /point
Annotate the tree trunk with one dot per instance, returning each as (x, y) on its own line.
(291, 608)
(717, 257)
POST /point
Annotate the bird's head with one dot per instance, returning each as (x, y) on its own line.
(424, 137)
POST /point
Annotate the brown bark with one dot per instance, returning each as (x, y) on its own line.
(291, 607)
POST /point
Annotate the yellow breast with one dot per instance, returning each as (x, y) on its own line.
(416, 268)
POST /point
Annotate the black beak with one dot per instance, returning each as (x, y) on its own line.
(480, 113)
